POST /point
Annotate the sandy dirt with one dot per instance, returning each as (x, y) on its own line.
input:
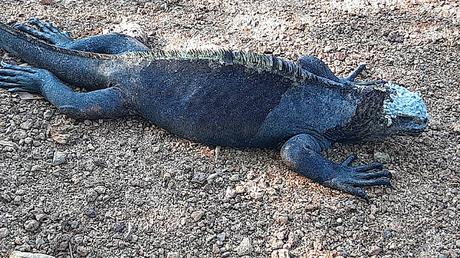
(129, 189)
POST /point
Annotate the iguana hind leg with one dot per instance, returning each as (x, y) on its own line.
(113, 43)
(104, 103)
(317, 67)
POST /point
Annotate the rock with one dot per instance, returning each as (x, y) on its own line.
(395, 37)
(328, 49)
(456, 127)
(197, 215)
(120, 227)
(229, 193)
(199, 178)
(375, 250)
(58, 158)
(280, 253)
(42, 218)
(382, 157)
(47, 114)
(4, 232)
(47, 2)
(31, 225)
(275, 243)
(17, 254)
(281, 218)
(234, 178)
(280, 235)
(245, 247)
(457, 243)
(172, 255)
(26, 125)
(293, 239)
(239, 189)
(100, 189)
(82, 251)
(9, 144)
(91, 196)
(91, 213)
(24, 248)
(220, 238)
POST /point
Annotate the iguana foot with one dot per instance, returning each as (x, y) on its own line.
(353, 75)
(352, 179)
(45, 31)
(19, 78)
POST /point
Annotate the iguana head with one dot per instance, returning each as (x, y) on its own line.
(405, 111)
(384, 109)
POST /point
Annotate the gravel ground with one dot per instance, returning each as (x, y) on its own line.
(125, 188)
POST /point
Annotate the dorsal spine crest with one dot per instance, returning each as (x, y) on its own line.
(260, 62)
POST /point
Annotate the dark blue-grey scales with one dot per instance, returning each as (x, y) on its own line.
(218, 97)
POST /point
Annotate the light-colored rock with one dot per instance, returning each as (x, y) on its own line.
(197, 215)
(375, 250)
(58, 158)
(280, 253)
(245, 247)
(382, 157)
(172, 255)
(4, 232)
(17, 254)
(31, 225)
(239, 189)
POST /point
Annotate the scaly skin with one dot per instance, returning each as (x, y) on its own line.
(218, 98)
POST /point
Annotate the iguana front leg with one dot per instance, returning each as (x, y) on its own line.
(105, 103)
(302, 153)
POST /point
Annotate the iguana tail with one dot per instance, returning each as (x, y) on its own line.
(78, 68)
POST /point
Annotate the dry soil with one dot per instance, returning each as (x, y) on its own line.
(125, 188)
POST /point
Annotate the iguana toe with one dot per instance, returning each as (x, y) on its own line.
(349, 160)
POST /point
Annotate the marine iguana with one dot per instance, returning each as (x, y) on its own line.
(218, 97)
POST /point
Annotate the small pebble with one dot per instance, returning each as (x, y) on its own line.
(280, 253)
(82, 251)
(172, 255)
(382, 157)
(47, 114)
(239, 189)
(4, 232)
(199, 178)
(234, 178)
(245, 247)
(91, 213)
(58, 158)
(197, 215)
(31, 225)
(375, 250)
